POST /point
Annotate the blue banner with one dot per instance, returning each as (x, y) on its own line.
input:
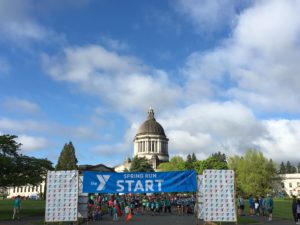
(138, 182)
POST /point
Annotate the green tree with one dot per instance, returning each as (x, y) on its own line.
(298, 167)
(194, 158)
(189, 162)
(220, 157)
(209, 163)
(176, 164)
(290, 168)
(67, 159)
(140, 165)
(282, 168)
(255, 174)
(17, 169)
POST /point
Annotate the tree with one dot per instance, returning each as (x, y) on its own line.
(189, 162)
(176, 164)
(255, 174)
(18, 169)
(140, 165)
(290, 168)
(220, 157)
(194, 158)
(282, 168)
(67, 159)
(209, 163)
(298, 167)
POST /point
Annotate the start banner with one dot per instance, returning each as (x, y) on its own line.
(139, 182)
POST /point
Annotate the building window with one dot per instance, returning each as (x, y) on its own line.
(14, 190)
(298, 184)
(25, 188)
(21, 189)
(290, 185)
(298, 192)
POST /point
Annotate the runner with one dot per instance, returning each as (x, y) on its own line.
(17, 207)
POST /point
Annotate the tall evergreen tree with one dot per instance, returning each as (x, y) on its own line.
(282, 168)
(220, 157)
(189, 162)
(289, 167)
(67, 159)
(194, 158)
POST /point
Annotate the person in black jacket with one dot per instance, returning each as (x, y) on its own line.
(294, 209)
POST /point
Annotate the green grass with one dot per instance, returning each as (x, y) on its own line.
(29, 209)
(36, 209)
(282, 209)
(247, 220)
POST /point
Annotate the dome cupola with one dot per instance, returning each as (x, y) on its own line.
(151, 141)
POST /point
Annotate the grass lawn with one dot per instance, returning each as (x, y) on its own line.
(282, 208)
(29, 209)
(36, 209)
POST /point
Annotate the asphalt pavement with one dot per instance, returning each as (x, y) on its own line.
(163, 219)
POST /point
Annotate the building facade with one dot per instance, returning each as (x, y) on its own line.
(290, 184)
(150, 142)
(27, 191)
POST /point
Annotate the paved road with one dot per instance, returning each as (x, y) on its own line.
(147, 220)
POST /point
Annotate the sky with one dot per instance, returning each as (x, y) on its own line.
(220, 76)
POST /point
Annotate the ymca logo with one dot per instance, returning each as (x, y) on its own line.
(103, 180)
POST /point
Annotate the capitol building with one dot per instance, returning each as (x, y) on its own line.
(150, 142)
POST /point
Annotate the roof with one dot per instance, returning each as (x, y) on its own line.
(151, 126)
(98, 167)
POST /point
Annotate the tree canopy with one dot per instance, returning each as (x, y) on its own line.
(177, 163)
(288, 168)
(18, 169)
(140, 165)
(67, 159)
(255, 174)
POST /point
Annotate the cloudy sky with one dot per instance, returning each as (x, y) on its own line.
(220, 75)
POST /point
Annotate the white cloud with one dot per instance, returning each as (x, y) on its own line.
(113, 44)
(31, 143)
(282, 140)
(210, 15)
(18, 25)
(209, 127)
(21, 106)
(122, 81)
(11, 125)
(258, 65)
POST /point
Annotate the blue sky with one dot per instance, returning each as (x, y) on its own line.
(220, 75)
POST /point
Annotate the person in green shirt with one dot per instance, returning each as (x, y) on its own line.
(17, 207)
(269, 206)
(167, 205)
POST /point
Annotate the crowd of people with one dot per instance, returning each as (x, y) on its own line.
(259, 206)
(131, 205)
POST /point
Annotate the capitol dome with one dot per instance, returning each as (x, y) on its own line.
(150, 126)
(151, 141)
